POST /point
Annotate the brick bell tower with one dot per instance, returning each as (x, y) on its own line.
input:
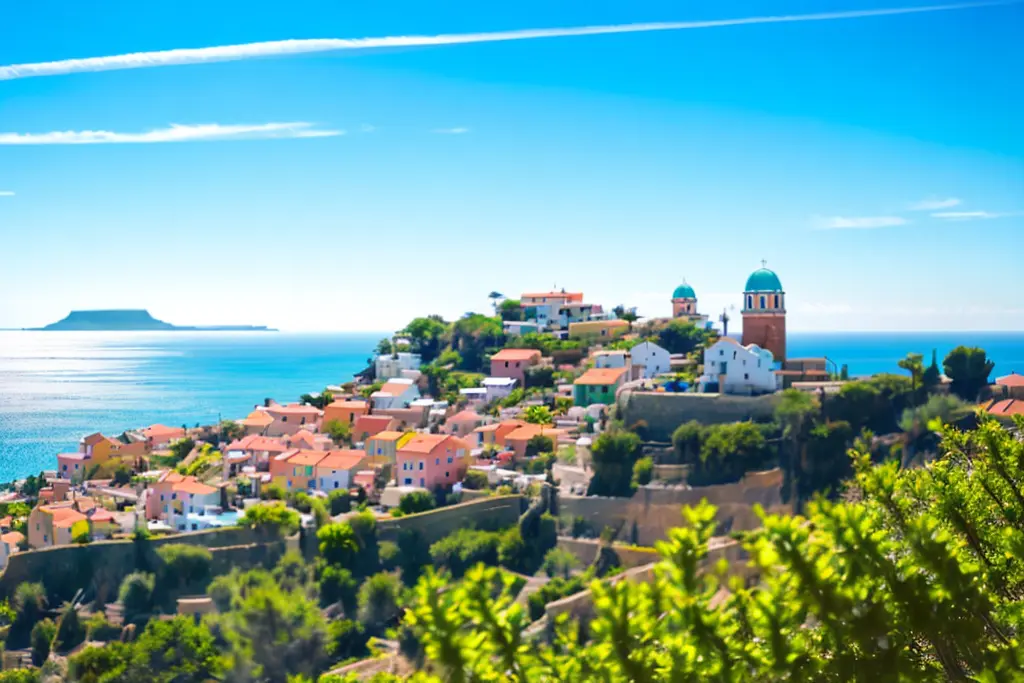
(764, 312)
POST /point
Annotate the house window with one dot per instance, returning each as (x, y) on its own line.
(721, 352)
(447, 474)
(284, 418)
(161, 496)
(437, 461)
(408, 481)
(174, 496)
(746, 375)
(449, 460)
(506, 364)
(734, 355)
(421, 464)
(422, 482)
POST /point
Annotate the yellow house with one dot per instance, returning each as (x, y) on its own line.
(385, 445)
(50, 525)
(99, 448)
(597, 330)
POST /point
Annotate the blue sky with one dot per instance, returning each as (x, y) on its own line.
(876, 163)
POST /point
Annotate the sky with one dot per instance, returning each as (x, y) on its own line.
(277, 169)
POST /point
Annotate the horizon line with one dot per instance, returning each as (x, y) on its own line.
(255, 50)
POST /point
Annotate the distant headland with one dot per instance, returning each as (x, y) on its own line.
(133, 320)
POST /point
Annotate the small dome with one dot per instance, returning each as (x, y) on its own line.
(763, 280)
(684, 291)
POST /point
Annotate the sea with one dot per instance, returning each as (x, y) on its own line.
(56, 387)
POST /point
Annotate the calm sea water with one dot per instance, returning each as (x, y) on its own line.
(56, 387)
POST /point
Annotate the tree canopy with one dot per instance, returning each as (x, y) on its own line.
(968, 368)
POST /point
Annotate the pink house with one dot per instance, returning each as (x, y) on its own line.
(463, 423)
(432, 461)
(288, 419)
(513, 363)
(159, 437)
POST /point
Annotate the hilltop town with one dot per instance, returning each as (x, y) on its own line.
(581, 428)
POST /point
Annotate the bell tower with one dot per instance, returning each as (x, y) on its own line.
(764, 312)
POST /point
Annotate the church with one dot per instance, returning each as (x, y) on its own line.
(754, 364)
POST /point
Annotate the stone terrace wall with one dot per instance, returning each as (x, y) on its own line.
(586, 549)
(102, 565)
(664, 412)
(645, 518)
(495, 512)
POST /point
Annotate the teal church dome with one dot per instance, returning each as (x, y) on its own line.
(763, 280)
(684, 291)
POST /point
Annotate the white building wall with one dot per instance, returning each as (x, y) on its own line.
(611, 360)
(746, 369)
(655, 359)
(387, 366)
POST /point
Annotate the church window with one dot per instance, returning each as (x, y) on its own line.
(776, 301)
(750, 301)
(763, 302)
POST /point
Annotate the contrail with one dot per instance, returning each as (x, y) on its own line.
(225, 53)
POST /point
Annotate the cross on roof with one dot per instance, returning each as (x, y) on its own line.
(764, 263)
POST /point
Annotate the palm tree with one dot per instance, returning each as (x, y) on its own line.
(495, 298)
(914, 364)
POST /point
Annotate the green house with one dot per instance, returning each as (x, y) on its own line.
(598, 385)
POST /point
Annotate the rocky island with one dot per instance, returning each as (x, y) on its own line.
(134, 320)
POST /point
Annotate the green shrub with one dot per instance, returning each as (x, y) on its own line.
(42, 635)
(339, 501)
(475, 480)
(417, 501)
(273, 519)
(461, 550)
(136, 597)
(70, 630)
(101, 630)
(643, 471)
(388, 552)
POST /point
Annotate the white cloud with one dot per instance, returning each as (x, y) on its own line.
(934, 204)
(451, 131)
(857, 222)
(175, 133)
(6, 193)
(141, 60)
(969, 215)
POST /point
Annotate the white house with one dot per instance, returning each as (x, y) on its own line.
(654, 359)
(390, 365)
(738, 369)
(615, 358)
(397, 392)
(498, 387)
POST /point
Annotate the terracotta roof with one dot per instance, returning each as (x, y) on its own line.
(12, 538)
(64, 516)
(293, 409)
(493, 427)
(101, 515)
(395, 388)
(425, 443)
(257, 418)
(527, 432)
(303, 435)
(171, 477)
(388, 436)
(364, 422)
(341, 459)
(350, 404)
(601, 376)
(96, 438)
(466, 416)
(564, 295)
(191, 485)
(1009, 406)
(306, 457)
(516, 354)
(162, 430)
(255, 442)
(1011, 380)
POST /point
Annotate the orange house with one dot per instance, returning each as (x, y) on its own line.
(513, 363)
(518, 440)
(494, 434)
(370, 425)
(345, 412)
(296, 470)
(385, 445)
(432, 461)
(159, 437)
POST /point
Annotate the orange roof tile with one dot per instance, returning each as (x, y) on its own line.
(191, 485)
(466, 416)
(306, 457)
(365, 422)
(1011, 380)
(12, 538)
(257, 418)
(346, 459)
(64, 516)
(560, 295)
(387, 436)
(601, 376)
(94, 439)
(350, 404)
(1009, 406)
(395, 388)
(162, 430)
(426, 443)
(304, 436)
(516, 354)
